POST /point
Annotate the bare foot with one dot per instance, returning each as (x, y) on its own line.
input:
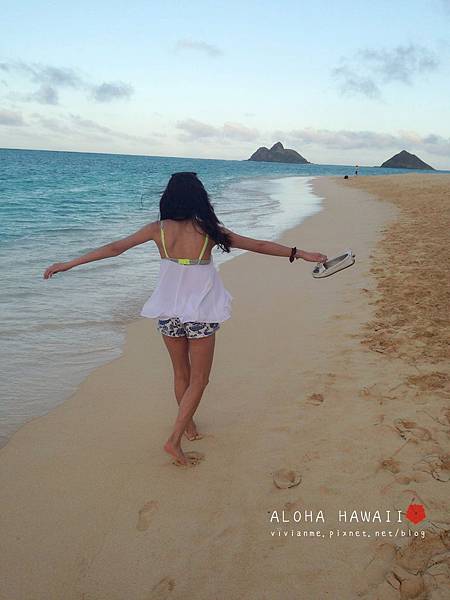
(191, 432)
(176, 452)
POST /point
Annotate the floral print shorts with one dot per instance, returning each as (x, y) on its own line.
(175, 328)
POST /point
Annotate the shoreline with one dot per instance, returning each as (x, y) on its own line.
(292, 388)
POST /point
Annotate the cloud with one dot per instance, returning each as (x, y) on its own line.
(46, 94)
(360, 140)
(52, 124)
(436, 144)
(205, 48)
(93, 126)
(87, 124)
(49, 80)
(236, 131)
(56, 76)
(350, 82)
(73, 124)
(11, 118)
(402, 63)
(369, 69)
(106, 92)
(45, 74)
(193, 129)
(343, 139)
(196, 130)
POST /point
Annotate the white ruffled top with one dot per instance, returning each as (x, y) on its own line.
(191, 292)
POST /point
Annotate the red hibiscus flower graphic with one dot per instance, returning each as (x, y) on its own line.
(415, 513)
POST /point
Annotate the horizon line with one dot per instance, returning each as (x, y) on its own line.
(202, 158)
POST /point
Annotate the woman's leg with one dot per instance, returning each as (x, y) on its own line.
(178, 348)
(201, 352)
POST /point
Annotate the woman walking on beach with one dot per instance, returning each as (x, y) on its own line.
(190, 300)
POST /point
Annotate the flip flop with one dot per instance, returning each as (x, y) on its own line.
(333, 265)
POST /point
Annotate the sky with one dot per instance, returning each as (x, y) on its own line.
(341, 82)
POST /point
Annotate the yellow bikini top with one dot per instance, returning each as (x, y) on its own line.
(186, 261)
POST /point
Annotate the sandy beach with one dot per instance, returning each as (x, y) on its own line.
(343, 383)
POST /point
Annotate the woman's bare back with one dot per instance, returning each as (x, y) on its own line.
(183, 239)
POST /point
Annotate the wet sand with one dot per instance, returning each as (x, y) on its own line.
(329, 386)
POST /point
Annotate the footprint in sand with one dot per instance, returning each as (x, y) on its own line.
(410, 585)
(384, 591)
(375, 390)
(443, 418)
(416, 565)
(162, 589)
(330, 378)
(430, 381)
(408, 429)
(377, 569)
(437, 465)
(194, 458)
(325, 381)
(412, 570)
(286, 478)
(293, 506)
(407, 478)
(391, 465)
(145, 515)
(416, 555)
(315, 399)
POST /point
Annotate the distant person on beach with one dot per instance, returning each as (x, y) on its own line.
(356, 170)
(190, 300)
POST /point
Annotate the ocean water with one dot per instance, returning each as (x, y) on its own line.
(55, 206)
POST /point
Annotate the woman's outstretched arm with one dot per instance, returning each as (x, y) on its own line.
(271, 248)
(145, 234)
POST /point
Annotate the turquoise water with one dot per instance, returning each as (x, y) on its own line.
(57, 205)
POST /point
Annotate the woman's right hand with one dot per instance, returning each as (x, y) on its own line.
(316, 257)
(56, 268)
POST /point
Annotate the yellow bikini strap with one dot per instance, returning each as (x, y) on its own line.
(163, 241)
(205, 243)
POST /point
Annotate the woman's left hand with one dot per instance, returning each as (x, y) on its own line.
(56, 268)
(317, 257)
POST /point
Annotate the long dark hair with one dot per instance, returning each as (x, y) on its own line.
(186, 198)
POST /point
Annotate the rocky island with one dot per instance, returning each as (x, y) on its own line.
(278, 153)
(406, 160)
